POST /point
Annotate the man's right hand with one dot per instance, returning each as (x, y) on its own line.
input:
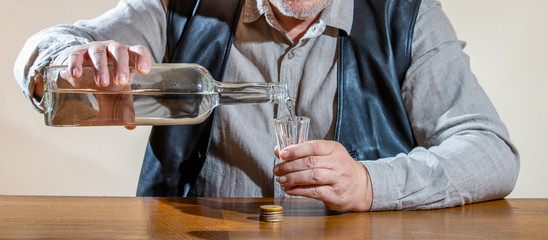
(102, 53)
(114, 109)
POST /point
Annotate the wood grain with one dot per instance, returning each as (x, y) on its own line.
(37, 217)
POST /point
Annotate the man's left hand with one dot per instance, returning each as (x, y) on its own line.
(325, 171)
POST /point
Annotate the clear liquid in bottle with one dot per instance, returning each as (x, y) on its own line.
(86, 108)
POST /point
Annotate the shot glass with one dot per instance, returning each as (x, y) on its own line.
(291, 130)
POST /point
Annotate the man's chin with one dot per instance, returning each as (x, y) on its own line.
(302, 10)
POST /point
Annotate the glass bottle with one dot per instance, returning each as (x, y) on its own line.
(170, 94)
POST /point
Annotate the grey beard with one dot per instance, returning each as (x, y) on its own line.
(303, 14)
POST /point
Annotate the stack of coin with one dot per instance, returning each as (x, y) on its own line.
(271, 213)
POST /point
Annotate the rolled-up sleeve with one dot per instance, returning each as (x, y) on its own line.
(131, 22)
(464, 152)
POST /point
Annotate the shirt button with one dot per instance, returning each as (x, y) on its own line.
(290, 55)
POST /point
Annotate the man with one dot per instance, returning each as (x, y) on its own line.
(386, 79)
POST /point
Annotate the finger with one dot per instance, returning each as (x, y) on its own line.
(320, 192)
(324, 193)
(128, 110)
(310, 148)
(141, 57)
(277, 151)
(303, 164)
(76, 60)
(316, 176)
(98, 55)
(39, 86)
(121, 57)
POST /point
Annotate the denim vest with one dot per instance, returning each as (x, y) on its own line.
(371, 120)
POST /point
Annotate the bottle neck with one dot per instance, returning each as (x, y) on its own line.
(242, 93)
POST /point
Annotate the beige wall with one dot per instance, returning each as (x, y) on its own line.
(508, 49)
(506, 41)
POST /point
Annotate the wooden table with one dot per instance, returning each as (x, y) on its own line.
(238, 218)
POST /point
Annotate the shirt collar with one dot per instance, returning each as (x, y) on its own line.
(338, 14)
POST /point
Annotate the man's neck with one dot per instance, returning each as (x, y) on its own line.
(295, 28)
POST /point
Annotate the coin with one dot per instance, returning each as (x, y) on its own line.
(271, 213)
(271, 208)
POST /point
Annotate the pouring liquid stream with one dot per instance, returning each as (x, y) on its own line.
(291, 108)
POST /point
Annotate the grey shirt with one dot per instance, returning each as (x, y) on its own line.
(464, 154)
